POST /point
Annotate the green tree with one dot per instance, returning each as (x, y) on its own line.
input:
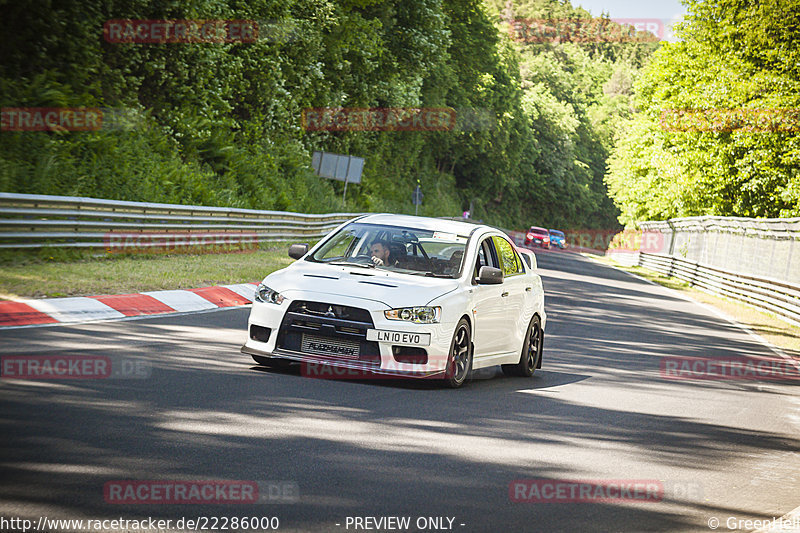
(717, 127)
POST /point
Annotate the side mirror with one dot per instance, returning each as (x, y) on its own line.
(296, 251)
(490, 276)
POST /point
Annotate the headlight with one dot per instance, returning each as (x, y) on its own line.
(419, 315)
(265, 294)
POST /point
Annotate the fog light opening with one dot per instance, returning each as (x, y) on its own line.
(410, 354)
(259, 333)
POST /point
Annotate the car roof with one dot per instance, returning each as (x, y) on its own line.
(538, 229)
(425, 223)
(556, 231)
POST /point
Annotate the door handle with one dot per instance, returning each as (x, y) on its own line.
(528, 289)
(504, 294)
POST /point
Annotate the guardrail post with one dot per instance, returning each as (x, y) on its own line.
(671, 237)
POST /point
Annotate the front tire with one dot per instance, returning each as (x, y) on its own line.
(531, 357)
(459, 360)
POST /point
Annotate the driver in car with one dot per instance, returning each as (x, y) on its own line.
(381, 254)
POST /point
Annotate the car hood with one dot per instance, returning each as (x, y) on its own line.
(389, 288)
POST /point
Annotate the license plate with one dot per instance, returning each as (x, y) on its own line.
(401, 338)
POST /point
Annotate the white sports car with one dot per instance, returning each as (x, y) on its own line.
(396, 295)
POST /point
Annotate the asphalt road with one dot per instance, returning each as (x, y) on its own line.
(599, 409)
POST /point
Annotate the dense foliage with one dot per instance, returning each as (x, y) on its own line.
(718, 127)
(220, 123)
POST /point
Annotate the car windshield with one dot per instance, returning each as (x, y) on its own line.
(538, 231)
(395, 248)
(555, 233)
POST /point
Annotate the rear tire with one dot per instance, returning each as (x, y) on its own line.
(531, 357)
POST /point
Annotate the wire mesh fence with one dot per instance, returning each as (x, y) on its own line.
(762, 247)
(756, 261)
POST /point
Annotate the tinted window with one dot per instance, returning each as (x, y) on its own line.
(509, 260)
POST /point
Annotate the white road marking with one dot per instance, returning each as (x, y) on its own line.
(77, 309)
(182, 300)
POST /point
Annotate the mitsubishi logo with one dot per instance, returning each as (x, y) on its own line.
(329, 313)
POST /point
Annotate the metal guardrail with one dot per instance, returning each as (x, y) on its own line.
(754, 246)
(755, 261)
(778, 297)
(36, 221)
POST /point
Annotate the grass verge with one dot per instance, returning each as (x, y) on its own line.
(773, 329)
(37, 275)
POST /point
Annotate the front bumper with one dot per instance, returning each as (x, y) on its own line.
(283, 332)
(313, 362)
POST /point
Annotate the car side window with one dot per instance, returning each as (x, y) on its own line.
(486, 257)
(509, 259)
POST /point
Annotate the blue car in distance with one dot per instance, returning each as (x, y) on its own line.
(557, 238)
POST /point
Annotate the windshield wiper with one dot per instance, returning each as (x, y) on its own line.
(348, 263)
(437, 275)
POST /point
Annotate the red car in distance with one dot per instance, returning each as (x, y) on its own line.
(537, 237)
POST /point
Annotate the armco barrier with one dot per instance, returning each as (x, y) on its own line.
(756, 261)
(36, 221)
(775, 296)
(761, 247)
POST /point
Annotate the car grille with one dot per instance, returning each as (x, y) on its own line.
(329, 346)
(328, 331)
(342, 312)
